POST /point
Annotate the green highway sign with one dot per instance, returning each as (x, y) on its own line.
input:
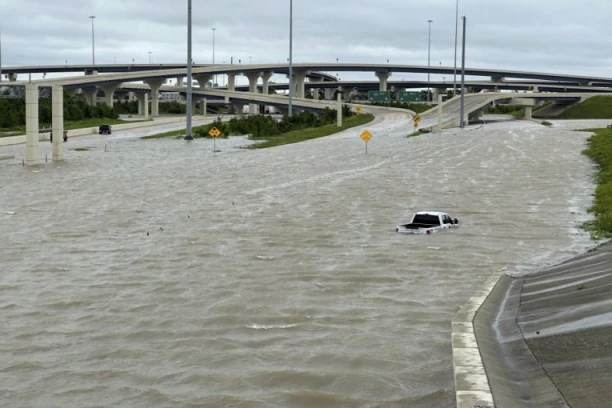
(379, 96)
(405, 96)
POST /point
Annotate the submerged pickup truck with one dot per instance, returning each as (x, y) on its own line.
(427, 222)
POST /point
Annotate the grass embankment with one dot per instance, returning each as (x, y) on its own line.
(600, 150)
(301, 135)
(596, 107)
(70, 125)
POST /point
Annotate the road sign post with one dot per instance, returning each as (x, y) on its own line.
(214, 133)
(366, 136)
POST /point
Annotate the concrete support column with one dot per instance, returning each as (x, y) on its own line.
(341, 92)
(266, 81)
(315, 93)
(154, 84)
(238, 108)
(299, 79)
(204, 106)
(203, 79)
(90, 95)
(231, 82)
(179, 81)
(329, 94)
(109, 93)
(143, 104)
(31, 100)
(253, 78)
(437, 94)
(12, 77)
(528, 112)
(383, 77)
(57, 121)
(339, 110)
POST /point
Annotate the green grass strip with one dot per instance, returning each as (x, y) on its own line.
(600, 150)
(301, 135)
(596, 107)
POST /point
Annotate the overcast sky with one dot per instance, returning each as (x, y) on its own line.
(561, 36)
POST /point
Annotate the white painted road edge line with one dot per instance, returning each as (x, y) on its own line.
(472, 389)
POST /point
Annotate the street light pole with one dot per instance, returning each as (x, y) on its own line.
(149, 57)
(429, 61)
(290, 58)
(461, 122)
(93, 53)
(188, 135)
(456, 32)
(1, 56)
(215, 76)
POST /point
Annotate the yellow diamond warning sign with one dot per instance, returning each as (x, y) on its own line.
(365, 135)
(214, 132)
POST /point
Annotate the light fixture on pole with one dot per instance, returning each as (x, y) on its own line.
(215, 76)
(456, 32)
(189, 107)
(291, 58)
(429, 61)
(93, 53)
(461, 121)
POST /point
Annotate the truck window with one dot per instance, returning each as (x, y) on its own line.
(426, 219)
(447, 220)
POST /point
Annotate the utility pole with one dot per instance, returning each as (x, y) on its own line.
(462, 124)
(188, 135)
(0, 55)
(213, 61)
(429, 61)
(290, 58)
(93, 53)
(456, 33)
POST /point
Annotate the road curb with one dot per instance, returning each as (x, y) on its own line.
(472, 388)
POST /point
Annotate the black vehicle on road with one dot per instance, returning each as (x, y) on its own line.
(105, 129)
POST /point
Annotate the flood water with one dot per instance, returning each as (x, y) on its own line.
(161, 274)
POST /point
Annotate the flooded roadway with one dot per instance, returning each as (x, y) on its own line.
(161, 274)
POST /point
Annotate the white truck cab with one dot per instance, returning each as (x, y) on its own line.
(427, 222)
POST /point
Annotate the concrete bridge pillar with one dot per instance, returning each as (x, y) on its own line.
(315, 93)
(231, 82)
(437, 94)
(12, 77)
(109, 93)
(329, 94)
(143, 104)
(238, 108)
(528, 112)
(31, 101)
(154, 84)
(266, 82)
(57, 121)
(298, 83)
(383, 77)
(203, 79)
(204, 106)
(253, 78)
(90, 95)
(179, 81)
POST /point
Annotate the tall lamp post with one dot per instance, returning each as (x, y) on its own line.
(93, 53)
(149, 57)
(429, 61)
(456, 31)
(215, 76)
(461, 121)
(290, 58)
(188, 135)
